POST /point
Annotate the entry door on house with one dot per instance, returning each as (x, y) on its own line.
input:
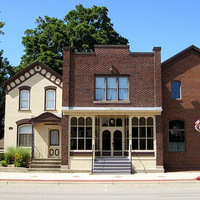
(112, 143)
(54, 143)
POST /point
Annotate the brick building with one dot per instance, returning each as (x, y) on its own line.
(112, 111)
(181, 108)
(112, 103)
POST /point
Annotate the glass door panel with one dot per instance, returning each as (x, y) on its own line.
(106, 143)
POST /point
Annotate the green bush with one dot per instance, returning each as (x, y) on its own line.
(3, 163)
(9, 155)
(20, 157)
(1, 156)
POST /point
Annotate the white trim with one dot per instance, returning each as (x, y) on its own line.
(125, 110)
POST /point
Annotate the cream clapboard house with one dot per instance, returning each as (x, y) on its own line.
(33, 111)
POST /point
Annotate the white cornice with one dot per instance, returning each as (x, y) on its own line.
(107, 110)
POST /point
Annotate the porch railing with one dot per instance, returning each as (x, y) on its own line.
(35, 149)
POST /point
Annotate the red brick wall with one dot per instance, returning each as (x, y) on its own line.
(64, 140)
(186, 68)
(140, 66)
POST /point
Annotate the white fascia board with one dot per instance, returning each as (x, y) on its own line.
(112, 109)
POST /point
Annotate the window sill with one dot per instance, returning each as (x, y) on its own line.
(108, 102)
(50, 110)
(24, 110)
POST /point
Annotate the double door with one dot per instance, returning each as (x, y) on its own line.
(112, 142)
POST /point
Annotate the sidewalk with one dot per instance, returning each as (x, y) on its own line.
(39, 177)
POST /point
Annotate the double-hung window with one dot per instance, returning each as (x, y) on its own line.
(111, 88)
(24, 98)
(50, 98)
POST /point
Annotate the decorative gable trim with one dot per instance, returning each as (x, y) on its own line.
(29, 72)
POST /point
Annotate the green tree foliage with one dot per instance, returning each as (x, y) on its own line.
(80, 29)
(89, 26)
(5, 70)
(1, 26)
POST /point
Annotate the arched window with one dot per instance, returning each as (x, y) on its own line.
(24, 98)
(176, 136)
(176, 89)
(118, 122)
(50, 99)
(104, 122)
(25, 135)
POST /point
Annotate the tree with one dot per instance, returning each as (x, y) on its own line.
(5, 70)
(89, 26)
(80, 29)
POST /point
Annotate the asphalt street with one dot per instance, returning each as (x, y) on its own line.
(100, 191)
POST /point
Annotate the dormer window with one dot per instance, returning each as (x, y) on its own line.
(111, 88)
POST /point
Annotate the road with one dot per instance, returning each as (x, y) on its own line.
(100, 191)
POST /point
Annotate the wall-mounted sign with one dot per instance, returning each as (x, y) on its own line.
(10, 128)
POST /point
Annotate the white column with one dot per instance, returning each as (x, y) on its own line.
(130, 134)
(93, 135)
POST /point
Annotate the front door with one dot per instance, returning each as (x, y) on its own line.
(54, 144)
(112, 143)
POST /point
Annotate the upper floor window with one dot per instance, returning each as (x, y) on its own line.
(25, 136)
(24, 98)
(111, 88)
(176, 89)
(176, 136)
(50, 98)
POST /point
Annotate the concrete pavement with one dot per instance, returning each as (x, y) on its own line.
(100, 178)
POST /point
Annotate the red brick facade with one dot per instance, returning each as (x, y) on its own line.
(183, 67)
(143, 70)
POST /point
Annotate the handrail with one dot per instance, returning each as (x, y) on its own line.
(130, 155)
(93, 156)
(35, 148)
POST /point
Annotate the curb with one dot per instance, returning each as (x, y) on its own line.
(97, 181)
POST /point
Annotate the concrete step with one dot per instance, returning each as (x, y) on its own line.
(112, 165)
(45, 163)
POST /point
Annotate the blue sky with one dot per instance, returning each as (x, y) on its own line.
(172, 24)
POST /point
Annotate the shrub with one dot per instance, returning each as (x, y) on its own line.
(3, 163)
(1, 156)
(20, 157)
(9, 155)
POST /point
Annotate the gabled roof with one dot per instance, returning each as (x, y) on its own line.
(176, 56)
(30, 71)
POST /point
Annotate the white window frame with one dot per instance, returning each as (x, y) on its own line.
(77, 138)
(26, 100)
(106, 89)
(47, 100)
(146, 137)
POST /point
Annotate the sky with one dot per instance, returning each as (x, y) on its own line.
(172, 25)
